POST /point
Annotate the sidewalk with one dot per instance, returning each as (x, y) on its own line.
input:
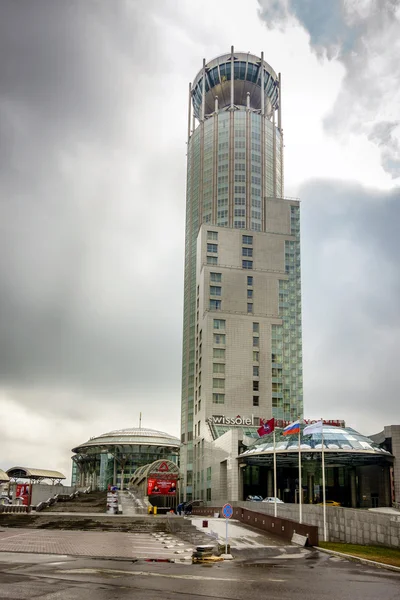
(387, 510)
(102, 544)
(239, 536)
(363, 561)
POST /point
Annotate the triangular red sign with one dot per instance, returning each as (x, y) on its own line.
(163, 467)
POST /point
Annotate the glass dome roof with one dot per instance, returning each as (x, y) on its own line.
(336, 439)
(131, 436)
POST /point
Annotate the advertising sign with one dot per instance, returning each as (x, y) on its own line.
(161, 487)
(252, 421)
(22, 491)
(238, 421)
(112, 502)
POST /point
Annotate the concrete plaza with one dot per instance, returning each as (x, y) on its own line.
(104, 544)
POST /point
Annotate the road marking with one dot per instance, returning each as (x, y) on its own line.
(8, 537)
(153, 574)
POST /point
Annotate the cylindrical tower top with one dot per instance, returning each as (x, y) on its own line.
(248, 77)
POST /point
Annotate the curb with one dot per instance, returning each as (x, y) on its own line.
(364, 561)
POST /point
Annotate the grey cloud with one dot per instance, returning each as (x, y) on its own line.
(325, 21)
(351, 290)
(363, 39)
(81, 210)
(383, 135)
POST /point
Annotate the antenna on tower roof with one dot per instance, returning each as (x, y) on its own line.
(140, 420)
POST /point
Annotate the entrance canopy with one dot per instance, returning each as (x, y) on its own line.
(342, 446)
(158, 482)
(34, 474)
(159, 469)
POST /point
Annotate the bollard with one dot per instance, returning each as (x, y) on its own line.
(149, 510)
(154, 510)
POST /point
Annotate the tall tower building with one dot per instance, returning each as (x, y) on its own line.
(242, 353)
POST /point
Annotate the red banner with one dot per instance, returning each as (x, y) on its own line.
(22, 491)
(161, 487)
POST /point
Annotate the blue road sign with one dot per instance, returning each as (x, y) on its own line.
(227, 511)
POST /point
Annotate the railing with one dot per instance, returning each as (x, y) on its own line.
(14, 508)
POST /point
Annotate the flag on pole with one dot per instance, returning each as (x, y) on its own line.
(313, 428)
(266, 427)
(292, 428)
(248, 440)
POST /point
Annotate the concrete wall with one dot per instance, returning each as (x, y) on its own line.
(279, 526)
(42, 492)
(269, 267)
(231, 375)
(393, 431)
(343, 524)
(224, 467)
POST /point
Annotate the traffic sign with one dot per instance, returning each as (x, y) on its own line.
(227, 511)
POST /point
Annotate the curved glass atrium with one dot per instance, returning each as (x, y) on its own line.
(343, 441)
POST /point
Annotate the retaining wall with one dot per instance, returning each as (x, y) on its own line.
(355, 526)
(280, 526)
(42, 492)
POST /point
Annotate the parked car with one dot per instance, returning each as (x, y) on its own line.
(273, 499)
(329, 503)
(254, 499)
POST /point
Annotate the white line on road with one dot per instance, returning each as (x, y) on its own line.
(153, 574)
(8, 537)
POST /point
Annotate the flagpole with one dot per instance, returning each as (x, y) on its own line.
(323, 482)
(275, 506)
(300, 484)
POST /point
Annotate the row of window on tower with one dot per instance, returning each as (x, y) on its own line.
(218, 382)
(219, 339)
(247, 263)
(216, 291)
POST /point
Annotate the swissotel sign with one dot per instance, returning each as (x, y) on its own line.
(255, 421)
(222, 420)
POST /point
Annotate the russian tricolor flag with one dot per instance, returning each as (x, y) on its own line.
(292, 428)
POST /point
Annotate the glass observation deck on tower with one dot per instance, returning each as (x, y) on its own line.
(247, 80)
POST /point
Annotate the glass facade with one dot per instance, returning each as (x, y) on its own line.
(226, 150)
(112, 458)
(286, 339)
(234, 168)
(247, 75)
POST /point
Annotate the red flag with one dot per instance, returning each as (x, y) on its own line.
(266, 427)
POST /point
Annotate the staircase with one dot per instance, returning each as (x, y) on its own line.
(128, 505)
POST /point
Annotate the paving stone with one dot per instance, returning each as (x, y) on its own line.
(85, 543)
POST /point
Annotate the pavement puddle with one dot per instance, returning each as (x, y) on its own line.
(263, 564)
(286, 556)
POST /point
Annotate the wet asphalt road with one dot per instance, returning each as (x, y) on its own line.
(315, 576)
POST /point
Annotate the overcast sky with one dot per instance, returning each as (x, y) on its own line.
(93, 122)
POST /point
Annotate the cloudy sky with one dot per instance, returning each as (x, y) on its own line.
(93, 121)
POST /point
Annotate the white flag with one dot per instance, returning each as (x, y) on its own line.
(248, 440)
(313, 428)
